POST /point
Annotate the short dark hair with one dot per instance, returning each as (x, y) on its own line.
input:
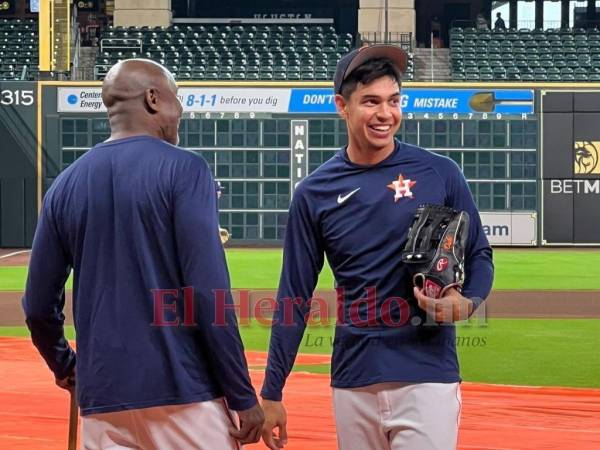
(369, 71)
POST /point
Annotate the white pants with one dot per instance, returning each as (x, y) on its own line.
(395, 416)
(197, 426)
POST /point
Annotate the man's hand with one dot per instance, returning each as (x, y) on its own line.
(224, 235)
(251, 422)
(275, 417)
(450, 308)
(67, 383)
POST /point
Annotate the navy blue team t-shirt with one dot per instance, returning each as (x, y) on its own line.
(136, 220)
(358, 217)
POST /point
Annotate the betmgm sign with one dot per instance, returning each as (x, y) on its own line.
(585, 158)
(570, 167)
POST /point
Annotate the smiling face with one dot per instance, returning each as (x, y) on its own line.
(372, 114)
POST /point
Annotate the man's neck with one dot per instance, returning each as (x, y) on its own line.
(122, 134)
(368, 157)
(125, 123)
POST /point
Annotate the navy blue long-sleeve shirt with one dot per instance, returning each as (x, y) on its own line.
(131, 217)
(358, 216)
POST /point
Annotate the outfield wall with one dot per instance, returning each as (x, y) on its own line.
(570, 187)
(260, 140)
(18, 162)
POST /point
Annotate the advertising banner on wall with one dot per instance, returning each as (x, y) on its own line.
(517, 228)
(431, 101)
(198, 100)
(460, 102)
(570, 168)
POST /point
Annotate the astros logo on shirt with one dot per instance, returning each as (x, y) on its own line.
(402, 187)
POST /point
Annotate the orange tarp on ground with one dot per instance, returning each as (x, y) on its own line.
(33, 412)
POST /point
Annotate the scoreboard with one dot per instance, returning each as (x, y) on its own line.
(261, 142)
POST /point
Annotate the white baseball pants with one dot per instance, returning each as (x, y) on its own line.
(194, 426)
(398, 416)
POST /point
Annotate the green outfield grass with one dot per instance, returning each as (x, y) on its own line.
(533, 352)
(24, 332)
(13, 278)
(515, 269)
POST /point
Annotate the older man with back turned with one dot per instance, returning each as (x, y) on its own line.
(136, 220)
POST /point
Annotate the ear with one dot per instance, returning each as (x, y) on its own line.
(151, 98)
(341, 105)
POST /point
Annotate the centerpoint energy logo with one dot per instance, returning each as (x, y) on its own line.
(586, 158)
(88, 99)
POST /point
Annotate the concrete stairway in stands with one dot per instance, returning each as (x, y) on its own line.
(432, 64)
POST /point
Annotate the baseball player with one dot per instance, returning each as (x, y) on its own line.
(395, 373)
(136, 220)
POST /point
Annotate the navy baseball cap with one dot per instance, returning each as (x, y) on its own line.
(358, 56)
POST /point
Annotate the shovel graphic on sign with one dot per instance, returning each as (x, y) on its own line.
(487, 102)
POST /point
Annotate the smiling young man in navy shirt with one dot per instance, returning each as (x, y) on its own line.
(395, 373)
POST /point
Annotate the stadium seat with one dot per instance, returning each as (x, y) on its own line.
(499, 74)
(554, 77)
(513, 74)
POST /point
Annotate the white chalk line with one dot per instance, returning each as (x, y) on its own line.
(8, 255)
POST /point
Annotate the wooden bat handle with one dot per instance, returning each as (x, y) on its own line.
(73, 421)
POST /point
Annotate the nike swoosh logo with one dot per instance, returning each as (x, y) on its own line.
(342, 198)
